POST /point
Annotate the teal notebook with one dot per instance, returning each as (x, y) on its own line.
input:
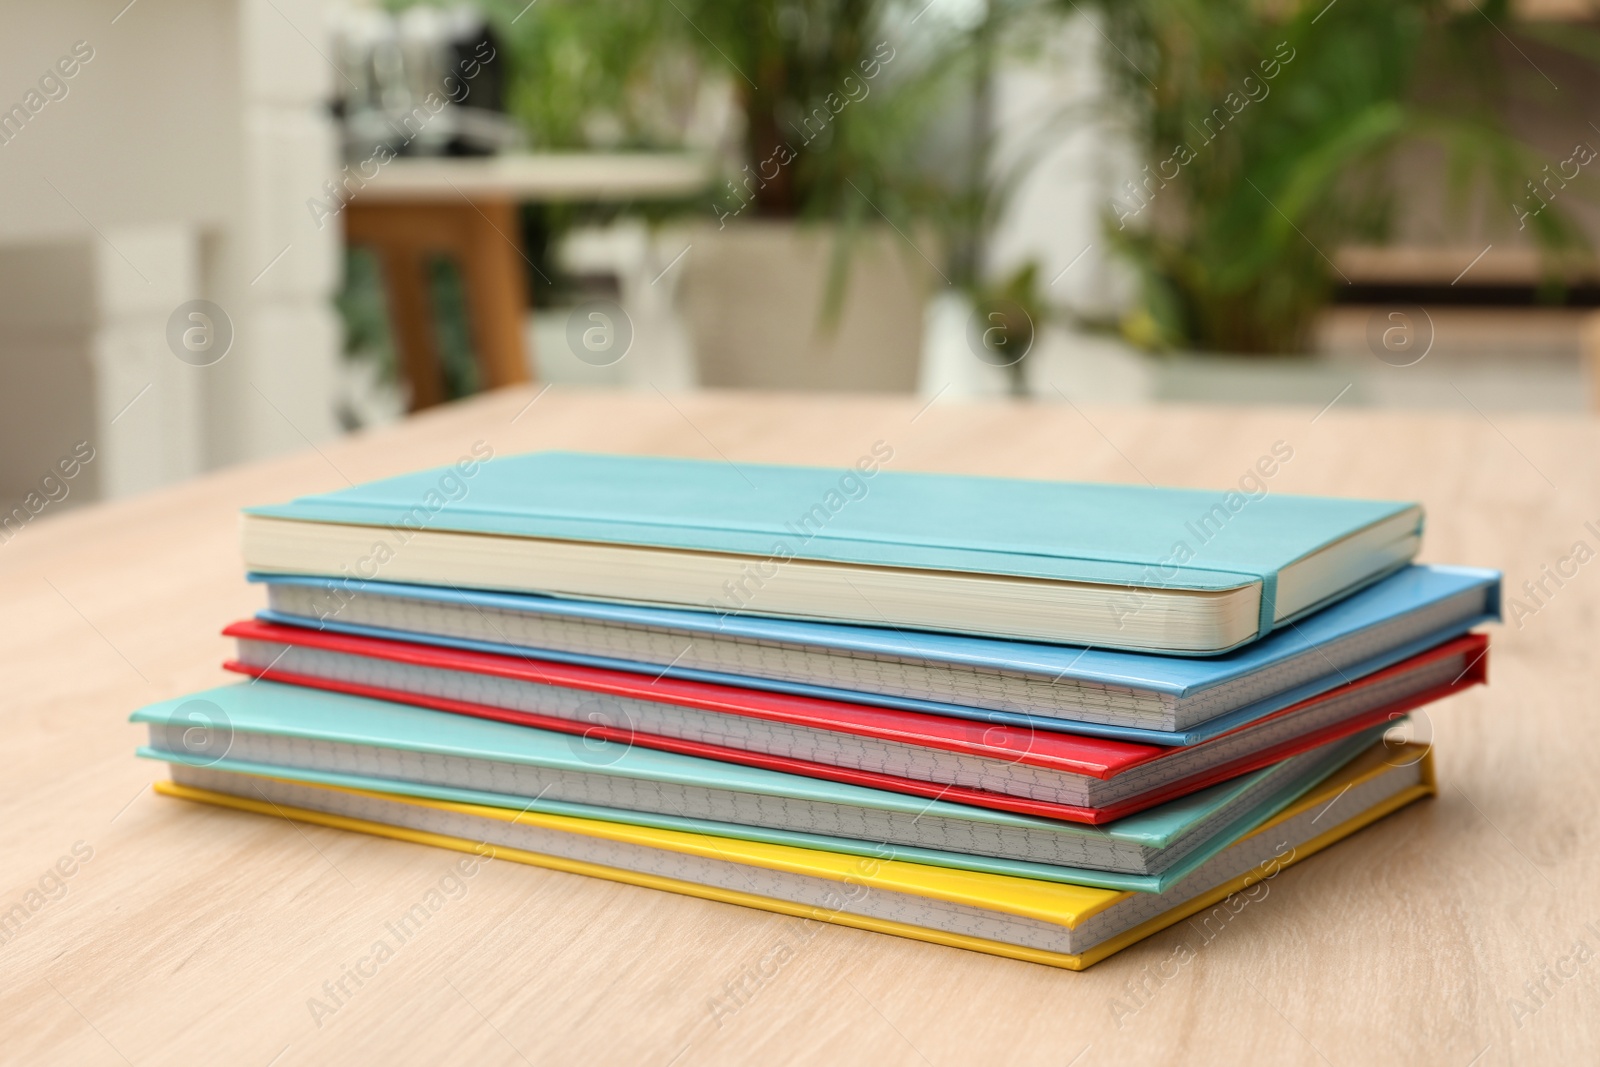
(1189, 571)
(311, 735)
(1127, 567)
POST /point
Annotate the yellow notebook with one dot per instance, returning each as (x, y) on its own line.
(1042, 922)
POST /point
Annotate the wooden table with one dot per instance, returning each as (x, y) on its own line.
(466, 209)
(196, 935)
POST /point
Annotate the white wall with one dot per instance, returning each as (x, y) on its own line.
(1053, 216)
(175, 167)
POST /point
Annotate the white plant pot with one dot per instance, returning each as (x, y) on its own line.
(752, 298)
(950, 368)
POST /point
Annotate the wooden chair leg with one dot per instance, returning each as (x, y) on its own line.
(411, 311)
(494, 269)
(483, 237)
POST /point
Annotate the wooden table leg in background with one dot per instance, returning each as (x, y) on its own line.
(483, 238)
(494, 269)
(412, 324)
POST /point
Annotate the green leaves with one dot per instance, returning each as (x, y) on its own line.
(1295, 120)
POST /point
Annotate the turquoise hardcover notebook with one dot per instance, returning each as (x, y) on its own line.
(1172, 570)
(311, 735)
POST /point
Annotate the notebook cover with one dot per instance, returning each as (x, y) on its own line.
(1063, 752)
(1065, 531)
(1315, 766)
(293, 711)
(1066, 904)
(1335, 756)
(1412, 589)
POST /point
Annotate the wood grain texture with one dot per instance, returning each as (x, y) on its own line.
(483, 237)
(197, 935)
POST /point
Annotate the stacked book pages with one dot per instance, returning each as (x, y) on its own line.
(1036, 719)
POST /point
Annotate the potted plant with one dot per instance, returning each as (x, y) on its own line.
(1267, 136)
(851, 145)
(835, 227)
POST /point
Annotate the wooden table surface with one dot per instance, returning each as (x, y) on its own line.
(1464, 930)
(587, 176)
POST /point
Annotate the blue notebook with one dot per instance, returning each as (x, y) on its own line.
(312, 735)
(1132, 696)
(1178, 571)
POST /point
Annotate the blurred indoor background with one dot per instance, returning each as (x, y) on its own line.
(230, 228)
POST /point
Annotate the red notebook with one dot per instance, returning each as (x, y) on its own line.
(1010, 768)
